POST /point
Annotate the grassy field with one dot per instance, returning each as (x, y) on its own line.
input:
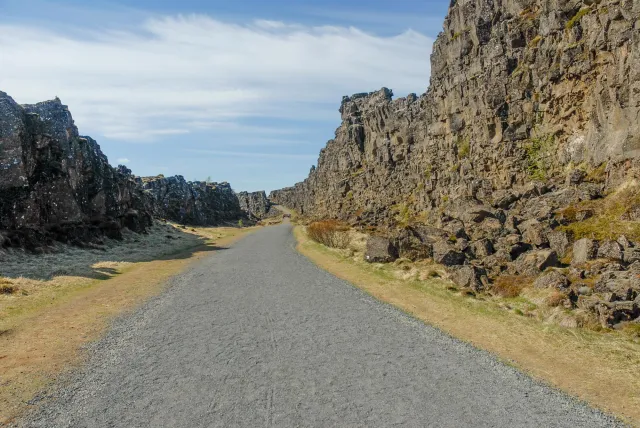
(55, 303)
(600, 368)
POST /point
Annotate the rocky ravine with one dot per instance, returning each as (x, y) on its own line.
(533, 107)
(56, 185)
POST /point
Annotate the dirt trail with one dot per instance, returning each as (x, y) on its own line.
(259, 336)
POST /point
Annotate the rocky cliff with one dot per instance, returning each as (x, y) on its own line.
(193, 202)
(531, 118)
(520, 91)
(257, 205)
(58, 185)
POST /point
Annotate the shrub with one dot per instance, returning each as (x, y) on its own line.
(539, 152)
(509, 286)
(6, 288)
(555, 299)
(576, 19)
(331, 233)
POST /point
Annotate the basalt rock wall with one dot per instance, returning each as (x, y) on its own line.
(58, 185)
(256, 205)
(521, 91)
(191, 202)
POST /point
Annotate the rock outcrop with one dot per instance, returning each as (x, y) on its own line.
(519, 90)
(194, 202)
(256, 205)
(58, 185)
(533, 106)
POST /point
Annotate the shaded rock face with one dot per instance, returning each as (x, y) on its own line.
(256, 205)
(194, 202)
(58, 185)
(518, 90)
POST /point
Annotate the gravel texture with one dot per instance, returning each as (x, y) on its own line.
(257, 335)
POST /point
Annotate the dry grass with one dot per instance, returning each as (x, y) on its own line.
(599, 368)
(509, 287)
(331, 233)
(609, 220)
(43, 328)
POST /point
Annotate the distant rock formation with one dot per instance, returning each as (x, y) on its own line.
(194, 202)
(58, 185)
(257, 205)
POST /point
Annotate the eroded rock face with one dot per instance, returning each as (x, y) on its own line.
(58, 185)
(191, 202)
(256, 205)
(518, 91)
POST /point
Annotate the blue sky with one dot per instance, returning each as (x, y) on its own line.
(240, 91)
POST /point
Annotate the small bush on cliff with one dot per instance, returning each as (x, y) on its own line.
(331, 233)
(539, 151)
(576, 19)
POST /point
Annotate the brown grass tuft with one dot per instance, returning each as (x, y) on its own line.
(509, 286)
(555, 299)
(331, 233)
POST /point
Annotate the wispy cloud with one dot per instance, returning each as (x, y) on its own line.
(254, 154)
(176, 74)
(123, 161)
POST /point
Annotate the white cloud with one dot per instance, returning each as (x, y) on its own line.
(123, 161)
(171, 75)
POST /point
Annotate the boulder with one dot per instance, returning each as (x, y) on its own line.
(535, 262)
(552, 279)
(468, 277)
(584, 250)
(445, 254)
(482, 248)
(380, 250)
(610, 250)
(559, 242)
(535, 233)
(631, 255)
(612, 313)
(410, 245)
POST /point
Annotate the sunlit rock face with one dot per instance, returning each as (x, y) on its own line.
(521, 91)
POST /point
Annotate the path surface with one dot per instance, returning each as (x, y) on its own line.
(257, 336)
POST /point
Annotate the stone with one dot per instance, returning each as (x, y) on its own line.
(482, 248)
(575, 177)
(468, 277)
(631, 255)
(380, 250)
(610, 250)
(445, 254)
(535, 262)
(534, 233)
(412, 245)
(559, 242)
(584, 250)
(612, 313)
(552, 279)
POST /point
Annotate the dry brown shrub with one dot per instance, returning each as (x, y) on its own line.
(331, 233)
(509, 286)
(555, 299)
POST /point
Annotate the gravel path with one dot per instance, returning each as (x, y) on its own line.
(257, 335)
